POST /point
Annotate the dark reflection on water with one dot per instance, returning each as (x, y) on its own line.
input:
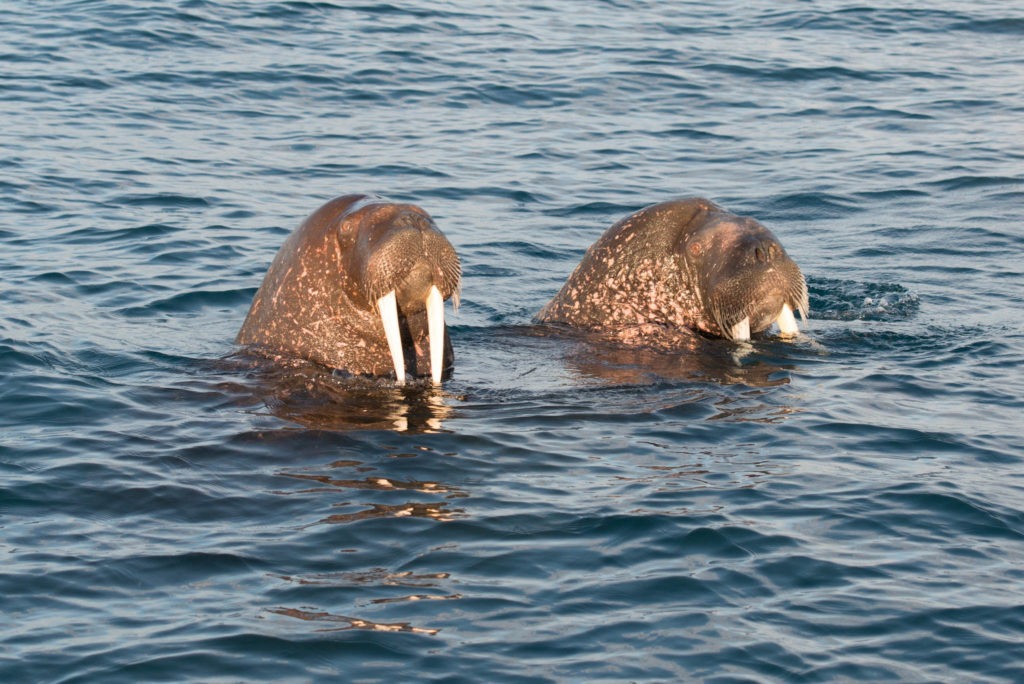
(314, 397)
(690, 357)
(340, 623)
(436, 510)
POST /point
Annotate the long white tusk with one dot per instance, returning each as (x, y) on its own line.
(388, 308)
(787, 322)
(741, 331)
(435, 326)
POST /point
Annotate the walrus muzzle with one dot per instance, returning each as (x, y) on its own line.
(749, 282)
(411, 268)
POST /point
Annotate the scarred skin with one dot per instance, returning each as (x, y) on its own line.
(682, 264)
(318, 298)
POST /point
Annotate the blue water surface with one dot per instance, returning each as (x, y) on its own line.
(846, 506)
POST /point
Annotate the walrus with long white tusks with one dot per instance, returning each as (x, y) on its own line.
(360, 287)
(682, 264)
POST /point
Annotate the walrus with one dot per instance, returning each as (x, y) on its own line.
(682, 264)
(360, 287)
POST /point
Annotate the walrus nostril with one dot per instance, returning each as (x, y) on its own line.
(766, 251)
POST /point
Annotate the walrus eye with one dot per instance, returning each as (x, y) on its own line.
(695, 248)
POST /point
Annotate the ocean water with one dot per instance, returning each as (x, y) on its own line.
(847, 506)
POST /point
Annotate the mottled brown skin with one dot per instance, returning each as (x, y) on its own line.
(318, 298)
(682, 264)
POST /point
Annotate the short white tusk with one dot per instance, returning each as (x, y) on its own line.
(435, 326)
(741, 331)
(787, 322)
(388, 308)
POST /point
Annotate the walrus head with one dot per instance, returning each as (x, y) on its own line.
(743, 277)
(403, 267)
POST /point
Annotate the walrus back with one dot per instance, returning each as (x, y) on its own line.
(634, 257)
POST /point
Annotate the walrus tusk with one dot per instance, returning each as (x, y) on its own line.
(435, 326)
(741, 331)
(787, 322)
(388, 308)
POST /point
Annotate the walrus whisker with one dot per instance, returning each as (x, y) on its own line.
(736, 324)
(798, 295)
(435, 327)
(800, 303)
(457, 290)
(388, 308)
(716, 315)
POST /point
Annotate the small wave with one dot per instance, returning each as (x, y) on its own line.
(532, 97)
(972, 182)
(191, 252)
(687, 133)
(517, 195)
(813, 205)
(791, 74)
(928, 511)
(17, 358)
(593, 208)
(193, 302)
(848, 300)
(880, 20)
(521, 247)
(409, 170)
(135, 234)
(868, 111)
(1013, 26)
(891, 194)
(81, 83)
(161, 199)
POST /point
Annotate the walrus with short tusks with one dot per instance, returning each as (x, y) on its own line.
(682, 264)
(360, 287)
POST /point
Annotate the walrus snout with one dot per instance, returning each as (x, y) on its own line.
(410, 255)
(749, 282)
(754, 298)
(411, 267)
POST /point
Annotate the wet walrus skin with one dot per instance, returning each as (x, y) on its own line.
(682, 264)
(359, 287)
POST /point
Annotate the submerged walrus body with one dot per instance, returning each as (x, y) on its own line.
(359, 287)
(683, 264)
